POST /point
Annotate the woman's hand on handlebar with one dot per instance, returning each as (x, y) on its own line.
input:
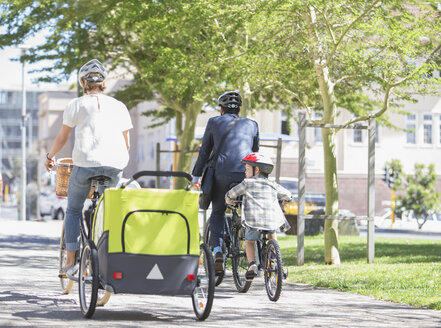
(49, 164)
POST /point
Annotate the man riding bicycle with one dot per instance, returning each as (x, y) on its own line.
(240, 141)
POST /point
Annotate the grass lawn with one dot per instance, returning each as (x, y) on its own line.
(405, 270)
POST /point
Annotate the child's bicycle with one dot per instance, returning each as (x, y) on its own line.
(136, 243)
(269, 259)
(233, 248)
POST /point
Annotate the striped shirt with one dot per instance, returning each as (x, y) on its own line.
(260, 205)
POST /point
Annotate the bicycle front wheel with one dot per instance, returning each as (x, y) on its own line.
(88, 280)
(65, 282)
(203, 294)
(273, 270)
(239, 262)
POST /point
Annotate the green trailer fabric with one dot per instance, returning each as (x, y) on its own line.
(148, 221)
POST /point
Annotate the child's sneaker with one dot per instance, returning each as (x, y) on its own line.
(251, 272)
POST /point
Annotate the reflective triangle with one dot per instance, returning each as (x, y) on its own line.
(155, 274)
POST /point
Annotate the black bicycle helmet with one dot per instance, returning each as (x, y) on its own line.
(230, 100)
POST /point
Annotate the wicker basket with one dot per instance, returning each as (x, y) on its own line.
(64, 169)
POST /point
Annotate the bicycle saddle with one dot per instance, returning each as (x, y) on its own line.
(101, 179)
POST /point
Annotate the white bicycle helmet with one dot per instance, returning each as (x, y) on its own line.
(265, 164)
(92, 66)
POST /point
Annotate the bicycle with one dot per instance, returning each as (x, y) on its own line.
(103, 296)
(269, 260)
(233, 248)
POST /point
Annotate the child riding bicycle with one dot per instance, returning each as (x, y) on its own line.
(261, 208)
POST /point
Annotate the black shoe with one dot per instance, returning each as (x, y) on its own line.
(251, 272)
(219, 263)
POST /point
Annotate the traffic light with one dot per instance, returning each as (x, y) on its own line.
(391, 181)
(386, 175)
(389, 176)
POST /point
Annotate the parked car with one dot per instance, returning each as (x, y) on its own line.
(55, 206)
(313, 201)
(52, 205)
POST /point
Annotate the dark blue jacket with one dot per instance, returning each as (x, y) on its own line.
(242, 140)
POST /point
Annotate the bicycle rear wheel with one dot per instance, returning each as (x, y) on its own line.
(65, 282)
(207, 241)
(273, 270)
(88, 280)
(203, 294)
(239, 261)
(103, 297)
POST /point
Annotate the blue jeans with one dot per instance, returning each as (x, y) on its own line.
(79, 187)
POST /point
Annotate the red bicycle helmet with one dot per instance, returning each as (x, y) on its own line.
(265, 164)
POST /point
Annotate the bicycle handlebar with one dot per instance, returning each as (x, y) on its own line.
(236, 204)
(55, 163)
(140, 174)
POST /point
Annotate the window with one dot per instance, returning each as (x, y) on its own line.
(440, 129)
(357, 134)
(2, 97)
(140, 150)
(427, 126)
(318, 131)
(411, 124)
(150, 146)
(284, 129)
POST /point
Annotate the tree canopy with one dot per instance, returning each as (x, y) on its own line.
(363, 56)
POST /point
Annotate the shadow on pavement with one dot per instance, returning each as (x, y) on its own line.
(23, 242)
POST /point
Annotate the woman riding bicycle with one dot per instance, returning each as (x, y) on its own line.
(261, 209)
(102, 126)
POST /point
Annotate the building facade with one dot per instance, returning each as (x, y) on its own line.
(11, 122)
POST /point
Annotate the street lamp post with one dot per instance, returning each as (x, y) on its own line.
(22, 216)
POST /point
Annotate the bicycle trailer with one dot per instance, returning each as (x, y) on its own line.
(147, 240)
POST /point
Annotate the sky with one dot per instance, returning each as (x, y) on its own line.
(11, 71)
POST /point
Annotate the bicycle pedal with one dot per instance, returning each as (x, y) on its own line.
(285, 274)
(249, 276)
(219, 273)
(62, 275)
(72, 278)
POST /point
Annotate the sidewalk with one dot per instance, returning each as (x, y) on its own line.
(30, 297)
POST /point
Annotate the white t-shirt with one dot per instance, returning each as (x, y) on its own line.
(99, 121)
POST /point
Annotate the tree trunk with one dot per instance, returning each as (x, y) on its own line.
(187, 142)
(327, 93)
(331, 187)
(246, 100)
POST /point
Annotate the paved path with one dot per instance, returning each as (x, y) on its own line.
(30, 297)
